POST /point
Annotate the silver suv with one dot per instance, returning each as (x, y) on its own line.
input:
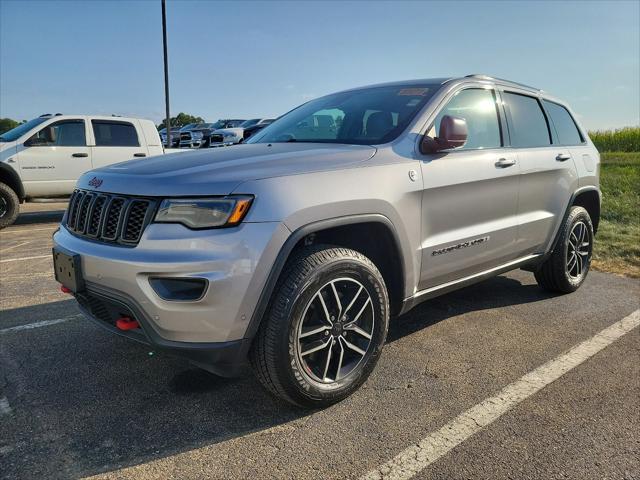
(293, 250)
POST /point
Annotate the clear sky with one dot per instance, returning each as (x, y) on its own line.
(252, 59)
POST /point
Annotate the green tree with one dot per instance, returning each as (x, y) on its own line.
(181, 120)
(7, 124)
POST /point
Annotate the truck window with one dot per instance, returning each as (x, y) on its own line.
(67, 133)
(479, 109)
(114, 134)
(528, 127)
(568, 133)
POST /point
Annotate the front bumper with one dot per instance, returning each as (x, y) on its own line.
(234, 261)
(104, 306)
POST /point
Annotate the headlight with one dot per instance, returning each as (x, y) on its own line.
(197, 135)
(228, 134)
(204, 212)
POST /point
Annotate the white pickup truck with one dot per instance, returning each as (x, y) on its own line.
(44, 157)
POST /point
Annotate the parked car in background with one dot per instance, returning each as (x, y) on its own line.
(221, 125)
(191, 135)
(175, 134)
(44, 157)
(251, 130)
(233, 134)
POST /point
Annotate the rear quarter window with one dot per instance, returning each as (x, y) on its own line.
(114, 134)
(568, 133)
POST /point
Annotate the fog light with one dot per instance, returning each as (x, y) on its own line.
(179, 289)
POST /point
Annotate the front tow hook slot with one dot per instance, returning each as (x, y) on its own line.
(127, 323)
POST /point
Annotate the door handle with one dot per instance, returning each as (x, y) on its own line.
(80, 155)
(139, 154)
(563, 157)
(505, 162)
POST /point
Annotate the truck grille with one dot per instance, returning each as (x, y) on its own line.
(109, 218)
(185, 136)
(217, 138)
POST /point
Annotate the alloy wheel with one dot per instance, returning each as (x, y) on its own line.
(336, 331)
(578, 250)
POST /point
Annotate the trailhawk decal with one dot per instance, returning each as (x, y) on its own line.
(470, 243)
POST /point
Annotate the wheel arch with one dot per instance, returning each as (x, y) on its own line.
(336, 231)
(589, 199)
(11, 178)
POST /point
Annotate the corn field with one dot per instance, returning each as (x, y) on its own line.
(622, 140)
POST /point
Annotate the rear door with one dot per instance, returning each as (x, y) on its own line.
(470, 197)
(50, 164)
(548, 172)
(116, 141)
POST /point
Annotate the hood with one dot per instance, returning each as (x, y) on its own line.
(218, 171)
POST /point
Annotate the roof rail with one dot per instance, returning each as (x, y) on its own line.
(45, 115)
(487, 77)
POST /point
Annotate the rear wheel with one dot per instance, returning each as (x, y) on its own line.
(9, 205)
(325, 328)
(567, 267)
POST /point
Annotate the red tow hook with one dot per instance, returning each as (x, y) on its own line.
(126, 323)
(64, 289)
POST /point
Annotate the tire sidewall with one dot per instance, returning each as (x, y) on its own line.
(307, 389)
(578, 214)
(12, 202)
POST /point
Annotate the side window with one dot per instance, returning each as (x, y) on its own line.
(528, 126)
(65, 133)
(478, 107)
(114, 134)
(568, 133)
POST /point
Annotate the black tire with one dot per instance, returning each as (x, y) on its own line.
(9, 205)
(277, 352)
(559, 273)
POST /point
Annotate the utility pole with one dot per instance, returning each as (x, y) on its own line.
(167, 122)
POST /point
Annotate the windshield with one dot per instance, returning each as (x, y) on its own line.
(20, 130)
(366, 116)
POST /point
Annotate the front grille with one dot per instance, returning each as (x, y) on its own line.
(109, 218)
(185, 136)
(217, 138)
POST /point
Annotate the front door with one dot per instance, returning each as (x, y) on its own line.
(470, 198)
(54, 158)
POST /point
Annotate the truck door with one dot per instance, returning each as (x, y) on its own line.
(53, 159)
(115, 141)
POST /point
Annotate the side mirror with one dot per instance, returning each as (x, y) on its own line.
(452, 134)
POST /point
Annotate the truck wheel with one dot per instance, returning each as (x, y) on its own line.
(325, 328)
(567, 267)
(9, 205)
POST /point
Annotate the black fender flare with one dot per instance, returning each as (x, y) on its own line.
(14, 179)
(291, 242)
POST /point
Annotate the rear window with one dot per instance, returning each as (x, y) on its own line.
(528, 127)
(114, 134)
(568, 133)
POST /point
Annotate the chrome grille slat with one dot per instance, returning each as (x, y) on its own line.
(109, 218)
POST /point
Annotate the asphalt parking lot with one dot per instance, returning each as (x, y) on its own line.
(76, 401)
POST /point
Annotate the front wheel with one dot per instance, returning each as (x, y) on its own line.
(567, 267)
(325, 328)
(9, 205)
